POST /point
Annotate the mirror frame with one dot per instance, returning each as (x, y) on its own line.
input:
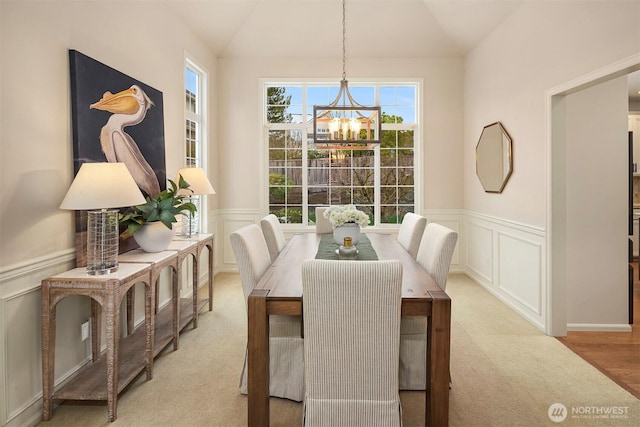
(504, 146)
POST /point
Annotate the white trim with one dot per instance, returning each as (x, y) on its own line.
(539, 231)
(617, 69)
(482, 262)
(202, 119)
(556, 293)
(595, 327)
(506, 300)
(4, 384)
(30, 266)
(17, 278)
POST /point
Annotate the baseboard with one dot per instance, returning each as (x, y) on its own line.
(589, 327)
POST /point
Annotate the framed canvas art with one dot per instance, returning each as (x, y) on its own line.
(116, 118)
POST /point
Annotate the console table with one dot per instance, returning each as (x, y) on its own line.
(105, 377)
(193, 246)
(166, 322)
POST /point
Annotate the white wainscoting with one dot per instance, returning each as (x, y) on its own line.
(508, 259)
(453, 219)
(231, 220)
(20, 337)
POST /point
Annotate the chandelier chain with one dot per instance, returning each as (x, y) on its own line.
(344, 124)
(344, 36)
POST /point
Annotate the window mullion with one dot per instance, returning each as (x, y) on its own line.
(395, 162)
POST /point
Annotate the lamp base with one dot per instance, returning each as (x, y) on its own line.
(102, 241)
(190, 225)
(102, 271)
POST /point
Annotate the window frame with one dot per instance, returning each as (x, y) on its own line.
(200, 117)
(416, 127)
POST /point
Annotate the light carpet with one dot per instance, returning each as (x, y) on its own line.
(505, 372)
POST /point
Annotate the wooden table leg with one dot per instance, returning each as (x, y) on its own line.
(196, 261)
(48, 328)
(210, 247)
(112, 313)
(175, 303)
(438, 355)
(131, 305)
(258, 359)
(149, 324)
(96, 329)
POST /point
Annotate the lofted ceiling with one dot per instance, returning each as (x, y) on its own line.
(374, 28)
(313, 28)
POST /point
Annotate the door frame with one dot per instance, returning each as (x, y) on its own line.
(556, 321)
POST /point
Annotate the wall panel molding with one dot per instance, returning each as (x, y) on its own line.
(455, 220)
(508, 258)
(20, 293)
(12, 277)
(231, 220)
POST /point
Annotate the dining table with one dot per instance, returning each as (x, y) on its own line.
(279, 292)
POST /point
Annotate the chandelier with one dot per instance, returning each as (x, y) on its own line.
(344, 123)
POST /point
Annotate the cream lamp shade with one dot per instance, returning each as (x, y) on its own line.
(198, 181)
(102, 185)
(199, 185)
(99, 188)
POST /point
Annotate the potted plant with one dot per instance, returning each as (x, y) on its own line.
(150, 224)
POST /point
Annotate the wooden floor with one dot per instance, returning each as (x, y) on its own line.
(615, 354)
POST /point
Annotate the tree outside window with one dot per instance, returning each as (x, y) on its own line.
(378, 181)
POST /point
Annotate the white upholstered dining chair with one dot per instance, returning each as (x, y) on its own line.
(410, 232)
(351, 313)
(286, 364)
(434, 255)
(273, 235)
(323, 225)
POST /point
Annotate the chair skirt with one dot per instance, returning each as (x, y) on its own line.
(286, 364)
(364, 413)
(413, 353)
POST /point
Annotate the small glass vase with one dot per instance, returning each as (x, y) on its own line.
(347, 250)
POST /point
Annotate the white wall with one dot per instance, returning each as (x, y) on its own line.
(597, 206)
(541, 45)
(36, 237)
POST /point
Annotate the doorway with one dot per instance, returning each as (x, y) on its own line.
(613, 353)
(561, 238)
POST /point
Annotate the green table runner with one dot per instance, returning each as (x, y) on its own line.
(327, 248)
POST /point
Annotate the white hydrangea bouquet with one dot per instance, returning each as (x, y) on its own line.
(343, 214)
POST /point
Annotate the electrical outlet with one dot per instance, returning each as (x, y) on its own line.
(84, 330)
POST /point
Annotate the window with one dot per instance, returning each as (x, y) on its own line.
(195, 84)
(193, 114)
(380, 181)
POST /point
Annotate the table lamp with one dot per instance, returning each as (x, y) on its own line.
(200, 185)
(98, 188)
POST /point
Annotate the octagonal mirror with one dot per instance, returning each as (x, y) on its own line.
(494, 160)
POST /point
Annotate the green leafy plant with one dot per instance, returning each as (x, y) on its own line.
(163, 207)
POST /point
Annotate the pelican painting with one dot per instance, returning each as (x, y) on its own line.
(128, 107)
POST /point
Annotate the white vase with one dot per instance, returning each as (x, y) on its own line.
(350, 229)
(154, 237)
